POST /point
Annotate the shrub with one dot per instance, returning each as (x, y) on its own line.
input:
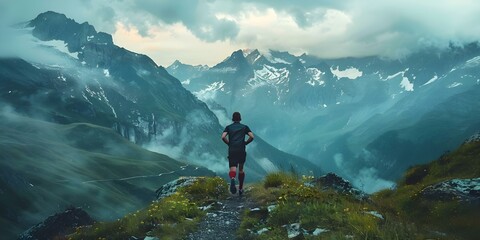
(278, 179)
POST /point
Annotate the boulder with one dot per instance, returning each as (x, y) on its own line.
(332, 181)
(474, 138)
(171, 187)
(58, 225)
(464, 190)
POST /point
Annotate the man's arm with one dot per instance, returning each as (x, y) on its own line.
(250, 138)
(224, 137)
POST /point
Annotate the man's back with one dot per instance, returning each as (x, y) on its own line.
(236, 135)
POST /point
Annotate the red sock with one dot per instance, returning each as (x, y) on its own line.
(241, 177)
(232, 174)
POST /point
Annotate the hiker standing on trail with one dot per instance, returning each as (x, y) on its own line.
(236, 150)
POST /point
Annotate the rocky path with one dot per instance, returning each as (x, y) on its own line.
(223, 221)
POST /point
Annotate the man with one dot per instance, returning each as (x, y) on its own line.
(236, 150)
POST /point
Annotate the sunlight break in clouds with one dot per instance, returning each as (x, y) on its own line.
(163, 42)
(206, 31)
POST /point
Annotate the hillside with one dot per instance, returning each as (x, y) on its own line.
(442, 195)
(287, 206)
(43, 169)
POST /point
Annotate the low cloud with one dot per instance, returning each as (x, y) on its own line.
(186, 149)
(267, 165)
(19, 43)
(327, 29)
(367, 180)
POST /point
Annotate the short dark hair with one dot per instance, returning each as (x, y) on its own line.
(236, 117)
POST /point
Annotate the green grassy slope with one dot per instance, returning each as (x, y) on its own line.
(172, 217)
(456, 219)
(46, 167)
(283, 199)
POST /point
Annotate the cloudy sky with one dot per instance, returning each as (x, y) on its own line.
(207, 31)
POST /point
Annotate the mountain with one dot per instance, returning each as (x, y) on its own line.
(185, 71)
(89, 79)
(80, 113)
(364, 118)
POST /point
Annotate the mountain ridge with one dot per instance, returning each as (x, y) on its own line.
(335, 112)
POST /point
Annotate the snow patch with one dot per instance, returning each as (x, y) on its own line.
(210, 92)
(269, 75)
(258, 57)
(89, 38)
(350, 73)
(433, 79)
(474, 62)
(186, 82)
(106, 72)
(406, 84)
(395, 75)
(100, 96)
(315, 77)
(62, 78)
(454, 85)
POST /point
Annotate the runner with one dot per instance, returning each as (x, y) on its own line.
(236, 150)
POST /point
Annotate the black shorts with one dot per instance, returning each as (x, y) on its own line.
(236, 157)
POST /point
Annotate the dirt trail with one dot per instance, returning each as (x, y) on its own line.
(223, 221)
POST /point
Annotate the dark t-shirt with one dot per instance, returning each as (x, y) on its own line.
(236, 136)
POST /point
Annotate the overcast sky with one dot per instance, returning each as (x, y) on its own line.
(207, 31)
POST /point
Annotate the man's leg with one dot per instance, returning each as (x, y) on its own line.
(232, 173)
(241, 175)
